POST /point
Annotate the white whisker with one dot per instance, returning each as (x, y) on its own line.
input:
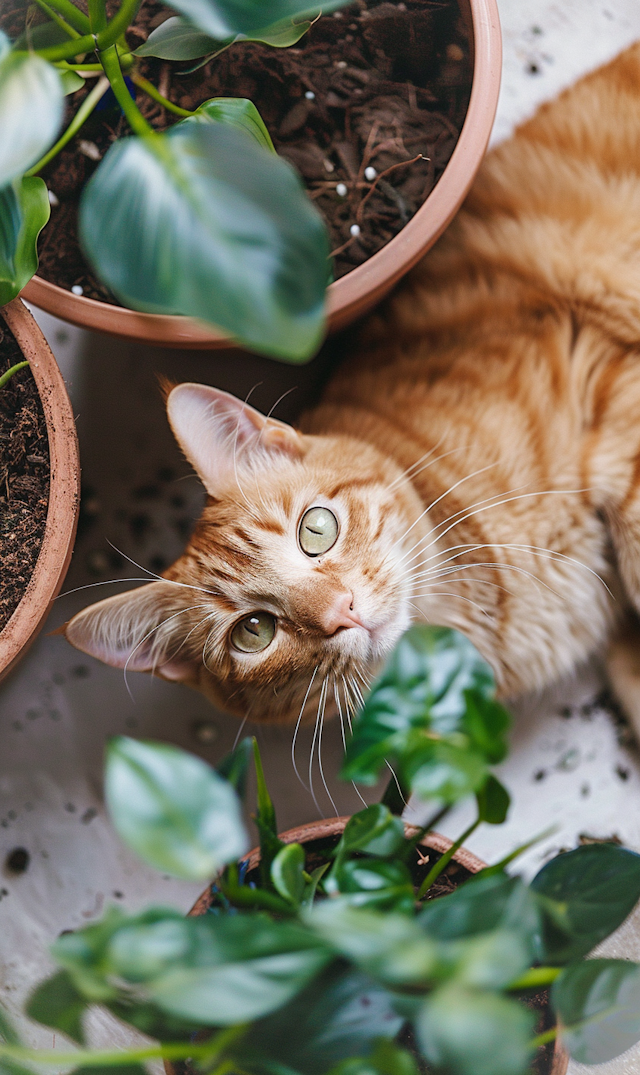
(320, 766)
(297, 727)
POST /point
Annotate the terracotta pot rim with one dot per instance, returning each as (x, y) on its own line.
(62, 514)
(320, 830)
(362, 287)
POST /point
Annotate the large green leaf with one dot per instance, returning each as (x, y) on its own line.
(236, 112)
(386, 1058)
(375, 883)
(470, 1033)
(57, 1003)
(598, 1003)
(31, 108)
(443, 770)
(172, 808)
(24, 211)
(585, 894)
(436, 683)
(493, 902)
(178, 39)
(224, 19)
(373, 831)
(203, 222)
(493, 801)
(341, 1014)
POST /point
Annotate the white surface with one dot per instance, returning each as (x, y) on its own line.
(567, 767)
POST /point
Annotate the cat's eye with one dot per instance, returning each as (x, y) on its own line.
(318, 531)
(254, 632)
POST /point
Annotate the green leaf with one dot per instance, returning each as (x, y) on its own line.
(340, 1014)
(24, 211)
(386, 1058)
(444, 771)
(236, 112)
(486, 960)
(172, 808)
(390, 947)
(40, 37)
(71, 82)
(470, 1033)
(287, 871)
(373, 831)
(57, 1003)
(585, 895)
(31, 108)
(225, 19)
(270, 843)
(598, 1003)
(493, 801)
(178, 39)
(234, 767)
(375, 883)
(203, 222)
(479, 906)
(486, 722)
(123, 1069)
(312, 885)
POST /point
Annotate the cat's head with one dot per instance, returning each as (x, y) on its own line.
(293, 581)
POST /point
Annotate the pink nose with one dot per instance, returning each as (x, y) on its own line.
(340, 614)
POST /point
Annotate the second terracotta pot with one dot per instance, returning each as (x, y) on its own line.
(357, 292)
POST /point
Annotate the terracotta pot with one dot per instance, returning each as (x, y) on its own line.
(320, 830)
(360, 289)
(64, 491)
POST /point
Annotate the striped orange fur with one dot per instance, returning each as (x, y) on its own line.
(480, 449)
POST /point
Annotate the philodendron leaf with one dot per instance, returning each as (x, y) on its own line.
(493, 902)
(464, 1032)
(584, 896)
(71, 82)
(173, 809)
(24, 211)
(178, 39)
(287, 872)
(236, 112)
(226, 19)
(598, 1003)
(203, 222)
(493, 801)
(373, 831)
(57, 1003)
(31, 108)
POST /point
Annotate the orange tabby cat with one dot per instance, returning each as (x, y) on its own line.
(476, 464)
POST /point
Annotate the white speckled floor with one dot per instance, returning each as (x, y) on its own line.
(567, 766)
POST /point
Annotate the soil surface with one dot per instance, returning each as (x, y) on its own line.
(377, 85)
(24, 477)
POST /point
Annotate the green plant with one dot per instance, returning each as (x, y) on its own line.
(341, 969)
(203, 219)
(8, 374)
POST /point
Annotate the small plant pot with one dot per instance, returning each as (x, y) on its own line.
(64, 490)
(360, 289)
(551, 1061)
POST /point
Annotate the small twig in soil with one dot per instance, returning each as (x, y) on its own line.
(366, 156)
(6, 377)
(341, 249)
(391, 168)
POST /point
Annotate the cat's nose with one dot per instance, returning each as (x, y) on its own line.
(340, 613)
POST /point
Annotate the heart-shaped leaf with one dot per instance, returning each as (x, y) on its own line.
(173, 809)
(376, 884)
(24, 211)
(237, 112)
(479, 906)
(493, 801)
(178, 39)
(373, 831)
(31, 108)
(224, 19)
(598, 1003)
(287, 872)
(472, 1033)
(58, 1004)
(584, 895)
(71, 82)
(203, 222)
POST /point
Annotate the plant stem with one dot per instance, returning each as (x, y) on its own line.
(119, 23)
(444, 861)
(72, 14)
(151, 90)
(100, 41)
(58, 19)
(208, 1050)
(111, 64)
(534, 978)
(10, 372)
(543, 1039)
(97, 15)
(83, 113)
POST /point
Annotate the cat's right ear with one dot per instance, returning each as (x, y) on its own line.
(220, 434)
(137, 630)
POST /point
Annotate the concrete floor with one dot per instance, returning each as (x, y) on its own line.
(568, 765)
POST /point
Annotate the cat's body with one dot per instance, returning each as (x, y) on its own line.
(480, 451)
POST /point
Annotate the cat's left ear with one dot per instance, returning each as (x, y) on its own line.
(219, 433)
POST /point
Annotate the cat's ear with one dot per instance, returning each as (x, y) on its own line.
(218, 433)
(133, 630)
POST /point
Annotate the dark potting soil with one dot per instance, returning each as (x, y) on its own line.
(24, 477)
(376, 85)
(451, 877)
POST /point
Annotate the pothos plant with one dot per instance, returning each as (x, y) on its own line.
(359, 966)
(203, 219)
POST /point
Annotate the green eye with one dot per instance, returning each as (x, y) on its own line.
(318, 531)
(254, 632)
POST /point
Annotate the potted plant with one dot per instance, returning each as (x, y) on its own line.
(202, 218)
(369, 950)
(39, 481)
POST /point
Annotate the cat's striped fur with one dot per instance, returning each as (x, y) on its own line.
(481, 448)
